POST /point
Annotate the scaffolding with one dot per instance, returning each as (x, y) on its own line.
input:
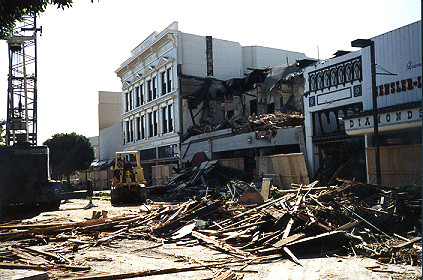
(21, 122)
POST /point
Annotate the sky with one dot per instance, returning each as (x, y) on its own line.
(81, 47)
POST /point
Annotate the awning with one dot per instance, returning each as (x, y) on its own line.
(103, 162)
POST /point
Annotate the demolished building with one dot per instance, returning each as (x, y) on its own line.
(241, 121)
(166, 68)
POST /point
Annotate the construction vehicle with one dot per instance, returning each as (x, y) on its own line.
(128, 185)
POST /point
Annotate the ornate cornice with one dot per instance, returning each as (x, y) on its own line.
(153, 48)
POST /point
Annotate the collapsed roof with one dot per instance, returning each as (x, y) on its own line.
(212, 88)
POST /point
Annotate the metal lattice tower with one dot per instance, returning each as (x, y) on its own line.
(21, 122)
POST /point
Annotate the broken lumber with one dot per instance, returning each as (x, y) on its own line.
(221, 245)
(405, 244)
(144, 273)
(171, 227)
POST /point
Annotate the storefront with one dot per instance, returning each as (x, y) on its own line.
(399, 114)
(334, 90)
(338, 104)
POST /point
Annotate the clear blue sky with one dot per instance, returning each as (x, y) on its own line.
(81, 47)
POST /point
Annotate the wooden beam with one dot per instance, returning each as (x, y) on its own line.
(221, 245)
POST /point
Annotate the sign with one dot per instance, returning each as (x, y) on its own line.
(403, 118)
(399, 86)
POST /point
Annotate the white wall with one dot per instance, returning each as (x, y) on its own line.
(227, 59)
(261, 57)
(398, 52)
(193, 51)
(110, 141)
(109, 108)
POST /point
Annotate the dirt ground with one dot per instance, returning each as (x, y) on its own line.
(134, 255)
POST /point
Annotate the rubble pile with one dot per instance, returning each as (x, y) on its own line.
(208, 178)
(243, 124)
(350, 218)
(275, 121)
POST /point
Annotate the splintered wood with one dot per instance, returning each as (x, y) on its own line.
(351, 218)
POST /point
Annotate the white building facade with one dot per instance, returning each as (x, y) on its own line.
(153, 109)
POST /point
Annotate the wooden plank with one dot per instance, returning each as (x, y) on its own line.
(398, 164)
(237, 163)
(290, 168)
(23, 274)
(288, 240)
(221, 245)
(306, 189)
(171, 227)
(293, 257)
(47, 254)
(227, 275)
(405, 244)
(145, 273)
(22, 266)
(316, 237)
(265, 188)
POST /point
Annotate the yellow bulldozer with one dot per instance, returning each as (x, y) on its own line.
(128, 185)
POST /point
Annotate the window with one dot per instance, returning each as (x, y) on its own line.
(126, 140)
(131, 134)
(155, 123)
(148, 154)
(142, 94)
(150, 125)
(137, 97)
(149, 93)
(126, 102)
(154, 88)
(163, 79)
(130, 100)
(138, 128)
(167, 151)
(170, 117)
(169, 79)
(142, 127)
(164, 119)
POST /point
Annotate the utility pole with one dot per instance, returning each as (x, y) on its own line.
(362, 43)
(21, 122)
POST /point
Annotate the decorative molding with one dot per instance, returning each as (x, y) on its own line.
(335, 75)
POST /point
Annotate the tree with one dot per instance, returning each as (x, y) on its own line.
(13, 11)
(69, 153)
